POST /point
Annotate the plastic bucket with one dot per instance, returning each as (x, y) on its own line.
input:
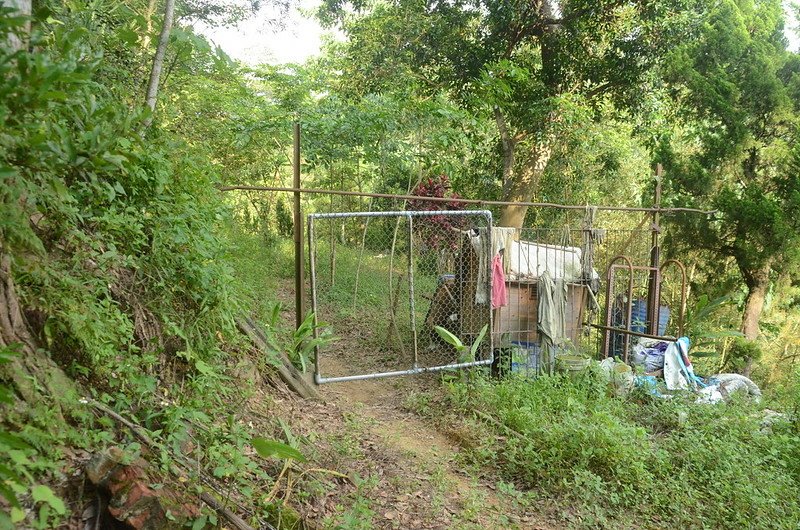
(572, 364)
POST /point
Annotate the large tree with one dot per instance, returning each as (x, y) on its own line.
(733, 149)
(524, 62)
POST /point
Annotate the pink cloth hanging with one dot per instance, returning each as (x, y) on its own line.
(499, 294)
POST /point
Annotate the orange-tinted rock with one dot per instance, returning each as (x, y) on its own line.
(132, 498)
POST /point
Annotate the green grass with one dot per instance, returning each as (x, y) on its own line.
(260, 268)
(604, 462)
(362, 292)
(640, 462)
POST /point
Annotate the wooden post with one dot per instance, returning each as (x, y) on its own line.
(299, 257)
(654, 284)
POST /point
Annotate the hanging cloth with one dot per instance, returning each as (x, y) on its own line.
(590, 236)
(552, 312)
(499, 293)
(501, 238)
(482, 251)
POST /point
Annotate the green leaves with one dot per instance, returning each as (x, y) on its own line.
(449, 338)
(7, 354)
(466, 354)
(478, 340)
(703, 324)
(44, 494)
(274, 449)
(303, 342)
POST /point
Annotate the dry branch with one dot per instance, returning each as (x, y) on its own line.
(288, 373)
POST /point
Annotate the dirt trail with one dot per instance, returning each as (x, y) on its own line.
(470, 502)
(382, 400)
(420, 483)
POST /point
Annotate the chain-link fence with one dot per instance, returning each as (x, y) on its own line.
(385, 276)
(383, 282)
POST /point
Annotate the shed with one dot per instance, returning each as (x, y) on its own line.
(525, 264)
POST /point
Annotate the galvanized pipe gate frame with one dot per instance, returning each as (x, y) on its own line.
(415, 367)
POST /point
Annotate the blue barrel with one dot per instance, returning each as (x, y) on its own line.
(639, 317)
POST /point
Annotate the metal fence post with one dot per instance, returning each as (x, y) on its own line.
(299, 258)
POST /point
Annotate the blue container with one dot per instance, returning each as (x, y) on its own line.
(638, 323)
(639, 317)
(525, 357)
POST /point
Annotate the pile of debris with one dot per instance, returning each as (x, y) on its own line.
(667, 369)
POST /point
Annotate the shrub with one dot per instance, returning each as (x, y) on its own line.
(740, 352)
(120, 218)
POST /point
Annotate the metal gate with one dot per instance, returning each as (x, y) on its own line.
(381, 282)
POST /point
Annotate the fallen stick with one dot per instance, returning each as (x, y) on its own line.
(286, 370)
(136, 429)
(232, 518)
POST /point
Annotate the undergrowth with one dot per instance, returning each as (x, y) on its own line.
(641, 461)
(112, 232)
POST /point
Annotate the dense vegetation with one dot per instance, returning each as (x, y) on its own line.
(636, 462)
(123, 268)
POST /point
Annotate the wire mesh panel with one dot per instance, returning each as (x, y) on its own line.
(557, 289)
(551, 286)
(382, 282)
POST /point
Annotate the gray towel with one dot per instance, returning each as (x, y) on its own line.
(552, 315)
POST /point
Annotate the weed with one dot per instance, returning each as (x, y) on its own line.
(303, 342)
(418, 402)
(612, 459)
(360, 515)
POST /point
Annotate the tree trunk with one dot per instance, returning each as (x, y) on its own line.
(22, 8)
(509, 146)
(757, 287)
(522, 187)
(151, 10)
(158, 59)
(33, 374)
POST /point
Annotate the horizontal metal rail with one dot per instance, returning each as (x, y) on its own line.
(402, 213)
(412, 371)
(479, 202)
(632, 333)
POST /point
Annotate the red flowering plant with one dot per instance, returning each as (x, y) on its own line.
(438, 232)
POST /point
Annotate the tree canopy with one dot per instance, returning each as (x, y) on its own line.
(734, 143)
(529, 66)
